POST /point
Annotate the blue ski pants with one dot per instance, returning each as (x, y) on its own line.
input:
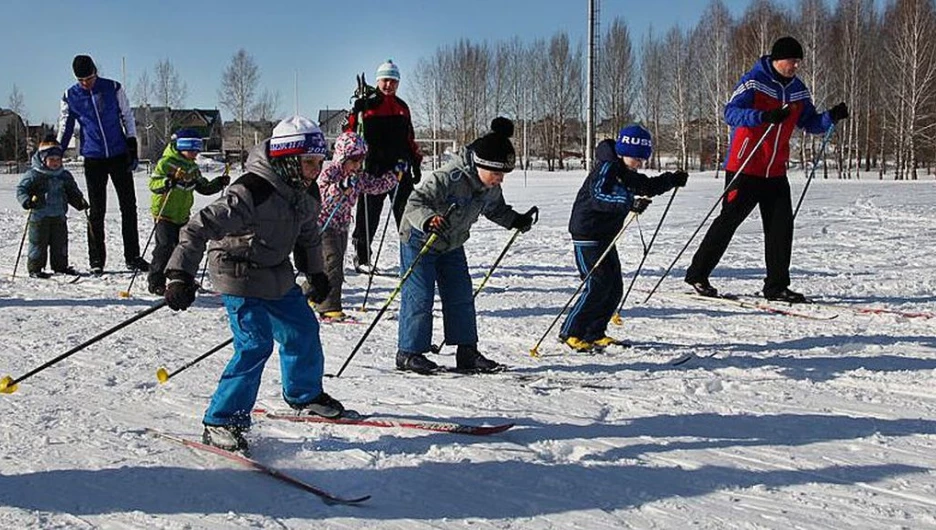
(450, 271)
(255, 324)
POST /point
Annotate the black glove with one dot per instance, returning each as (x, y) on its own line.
(838, 112)
(180, 290)
(133, 160)
(348, 183)
(225, 180)
(775, 115)
(679, 178)
(524, 222)
(417, 173)
(640, 205)
(82, 204)
(316, 287)
(436, 224)
(34, 202)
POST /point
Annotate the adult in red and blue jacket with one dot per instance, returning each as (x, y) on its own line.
(770, 102)
(383, 119)
(603, 203)
(109, 147)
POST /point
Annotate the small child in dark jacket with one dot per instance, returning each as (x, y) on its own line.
(603, 203)
(47, 189)
(174, 182)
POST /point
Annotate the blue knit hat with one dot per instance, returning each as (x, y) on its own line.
(188, 140)
(634, 141)
(388, 70)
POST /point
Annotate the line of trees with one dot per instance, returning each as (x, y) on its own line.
(882, 63)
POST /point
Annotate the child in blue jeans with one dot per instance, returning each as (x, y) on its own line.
(471, 182)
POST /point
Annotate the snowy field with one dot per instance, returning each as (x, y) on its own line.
(777, 422)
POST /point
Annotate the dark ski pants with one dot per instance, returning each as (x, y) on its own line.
(48, 238)
(368, 216)
(588, 319)
(167, 237)
(773, 197)
(334, 246)
(96, 172)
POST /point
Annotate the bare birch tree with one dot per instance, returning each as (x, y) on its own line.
(617, 88)
(653, 77)
(911, 70)
(267, 106)
(17, 104)
(239, 90)
(169, 91)
(712, 38)
(677, 108)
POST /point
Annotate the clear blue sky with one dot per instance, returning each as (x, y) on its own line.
(327, 42)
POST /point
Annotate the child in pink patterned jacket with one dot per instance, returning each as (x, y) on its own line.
(340, 183)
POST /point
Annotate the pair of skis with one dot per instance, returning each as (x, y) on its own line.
(349, 418)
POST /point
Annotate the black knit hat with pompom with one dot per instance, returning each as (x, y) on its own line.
(493, 151)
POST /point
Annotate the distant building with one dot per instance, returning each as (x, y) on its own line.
(255, 132)
(331, 122)
(13, 136)
(151, 128)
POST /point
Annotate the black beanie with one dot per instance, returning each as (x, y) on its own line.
(83, 66)
(786, 48)
(493, 151)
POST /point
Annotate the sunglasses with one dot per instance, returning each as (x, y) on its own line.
(86, 79)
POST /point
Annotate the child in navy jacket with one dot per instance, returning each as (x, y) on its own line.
(603, 203)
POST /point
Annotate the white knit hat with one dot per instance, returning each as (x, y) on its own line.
(388, 70)
(297, 135)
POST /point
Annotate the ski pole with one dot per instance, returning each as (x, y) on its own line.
(712, 209)
(8, 385)
(201, 277)
(333, 212)
(22, 241)
(165, 201)
(383, 309)
(163, 375)
(437, 349)
(534, 351)
(812, 173)
(383, 234)
(616, 319)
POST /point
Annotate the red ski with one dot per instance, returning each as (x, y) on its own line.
(353, 418)
(252, 464)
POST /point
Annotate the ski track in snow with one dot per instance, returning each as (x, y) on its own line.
(776, 422)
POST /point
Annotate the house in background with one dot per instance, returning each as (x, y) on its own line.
(153, 124)
(331, 122)
(12, 141)
(255, 132)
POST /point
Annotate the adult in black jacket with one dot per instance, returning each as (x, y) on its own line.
(384, 121)
(603, 203)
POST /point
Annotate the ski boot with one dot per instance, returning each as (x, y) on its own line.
(415, 362)
(227, 437)
(323, 405)
(468, 359)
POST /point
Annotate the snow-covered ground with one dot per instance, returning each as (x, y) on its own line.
(778, 422)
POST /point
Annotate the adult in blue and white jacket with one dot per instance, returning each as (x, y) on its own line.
(109, 147)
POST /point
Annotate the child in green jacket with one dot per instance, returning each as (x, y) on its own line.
(173, 182)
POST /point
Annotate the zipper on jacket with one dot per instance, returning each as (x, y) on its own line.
(100, 125)
(743, 147)
(773, 155)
